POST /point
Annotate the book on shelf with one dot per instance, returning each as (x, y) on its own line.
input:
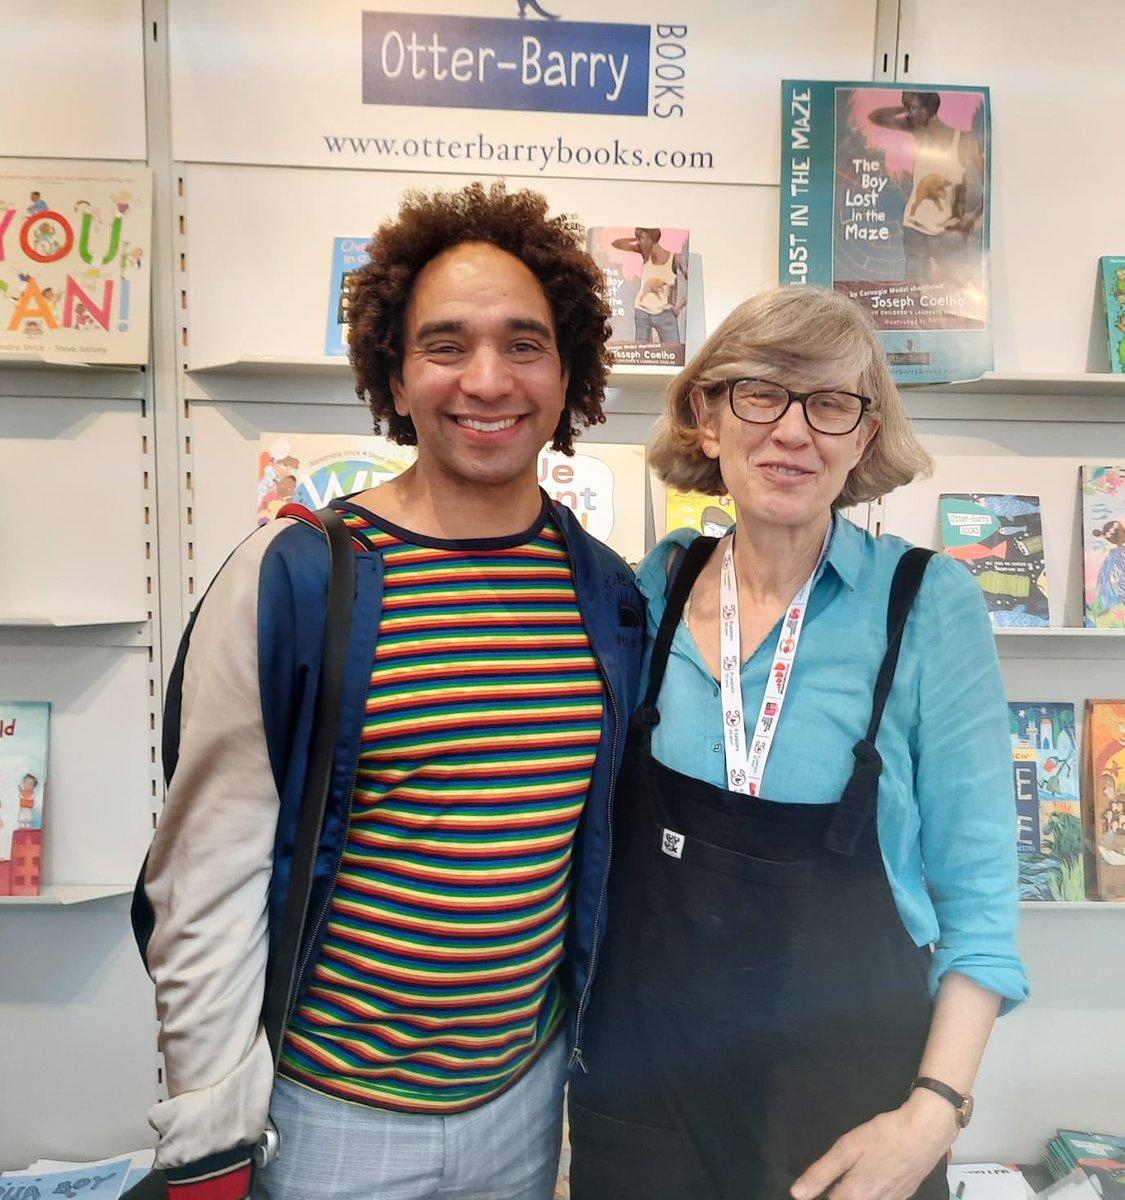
(314, 468)
(75, 249)
(1045, 778)
(1000, 539)
(348, 255)
(711, 515)
(1104, 798)
(1111, 270)
(604, 484)
(24, 735)
(1103, 545)
(885, 196)
(646, 273)
(1100, 1156)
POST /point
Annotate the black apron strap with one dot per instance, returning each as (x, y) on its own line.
(858, 800)
(647, 716)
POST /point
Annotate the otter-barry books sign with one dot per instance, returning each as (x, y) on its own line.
(536, 88)
(74, 262)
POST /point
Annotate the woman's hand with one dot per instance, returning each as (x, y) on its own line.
(885, 1158)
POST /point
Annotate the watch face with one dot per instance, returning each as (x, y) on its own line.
(965, 1111)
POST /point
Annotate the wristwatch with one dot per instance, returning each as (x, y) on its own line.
(962, 1104)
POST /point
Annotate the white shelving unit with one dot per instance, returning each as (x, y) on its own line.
(65, 895)
(99, 600)
(78, 611)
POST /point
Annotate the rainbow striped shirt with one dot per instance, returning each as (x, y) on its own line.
(437, 985)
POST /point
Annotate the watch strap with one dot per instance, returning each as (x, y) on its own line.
(962, 1104)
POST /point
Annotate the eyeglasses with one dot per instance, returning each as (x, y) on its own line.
(763, 402)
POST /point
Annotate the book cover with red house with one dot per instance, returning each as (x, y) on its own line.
(24, 730)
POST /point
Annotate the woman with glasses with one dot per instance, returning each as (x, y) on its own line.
(813, 895)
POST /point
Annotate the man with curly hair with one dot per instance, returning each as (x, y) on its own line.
(460, 888)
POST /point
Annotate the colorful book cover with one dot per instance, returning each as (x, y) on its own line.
(1000, 539)
(1101, 1156)
(1112, 269)
(604, 484)
(646, 272)
(1104, 797)
(24, 729)
(1103, 545)
(711, 515)
(885, 196)
(75, 250)
(314, 468)
(1045, 774)
(348, 255)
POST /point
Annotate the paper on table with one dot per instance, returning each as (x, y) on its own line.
(985, 1181)
(104, 1179)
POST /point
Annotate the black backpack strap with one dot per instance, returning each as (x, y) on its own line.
(691, 563)
(859, 796)
(281, 975)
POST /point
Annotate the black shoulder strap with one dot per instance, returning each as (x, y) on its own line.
(691, 563)
(862, 788)
(281, 975)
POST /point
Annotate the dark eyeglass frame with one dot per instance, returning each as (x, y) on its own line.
(801, 398)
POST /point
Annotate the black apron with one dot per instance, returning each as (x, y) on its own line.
(758, 995)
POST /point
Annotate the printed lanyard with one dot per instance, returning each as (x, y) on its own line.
(746, 763)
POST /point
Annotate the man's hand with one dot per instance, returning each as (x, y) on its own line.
(885, 1158)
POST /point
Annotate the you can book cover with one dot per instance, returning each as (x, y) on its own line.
(74, 262)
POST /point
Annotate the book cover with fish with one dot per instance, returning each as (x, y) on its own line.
(1103, 545)
(1000, 539)
(1112, 272)
(1104, 797)
(1045, 775)
(885, 196)
(602, 483)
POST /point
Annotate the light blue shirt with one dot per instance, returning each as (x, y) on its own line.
(947, 817)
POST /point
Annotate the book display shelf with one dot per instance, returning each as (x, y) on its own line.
(124, 488)
(77, 615)
(79, 611)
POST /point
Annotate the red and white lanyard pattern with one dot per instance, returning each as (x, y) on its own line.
(746, 761)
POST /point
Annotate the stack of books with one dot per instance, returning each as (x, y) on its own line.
(1100, 1156)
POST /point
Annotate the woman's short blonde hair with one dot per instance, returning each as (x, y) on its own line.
(791, 334)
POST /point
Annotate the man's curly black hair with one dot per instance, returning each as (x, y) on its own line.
(426, 226)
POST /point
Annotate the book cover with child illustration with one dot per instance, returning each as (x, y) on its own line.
(603, 483)
(24, 727)
(75, 247)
